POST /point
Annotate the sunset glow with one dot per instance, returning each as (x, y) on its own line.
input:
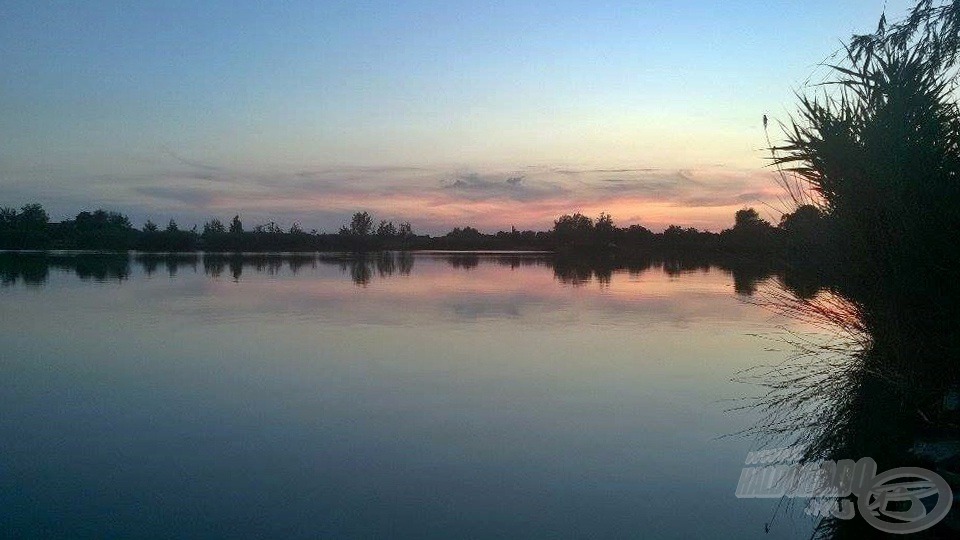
(441, 113)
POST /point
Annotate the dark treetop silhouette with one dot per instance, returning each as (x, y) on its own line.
(103, 230)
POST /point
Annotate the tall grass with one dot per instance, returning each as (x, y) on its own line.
(877, 148)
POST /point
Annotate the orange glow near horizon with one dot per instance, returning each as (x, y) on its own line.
(436, 202)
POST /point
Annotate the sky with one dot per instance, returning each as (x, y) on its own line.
(444, 114)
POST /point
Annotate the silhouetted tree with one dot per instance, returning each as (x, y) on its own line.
(748, 217)
(604, 230)
(573, 230)
(236, 226)
(27, 229)
(466, 233)
(268, 228)
(8, 217)
(750, 234)
(638, 236)
(360, 224)
(213, 227)
(386, 229)
(33, 216)
(101, 229)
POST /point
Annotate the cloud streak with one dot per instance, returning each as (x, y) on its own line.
(434, 199)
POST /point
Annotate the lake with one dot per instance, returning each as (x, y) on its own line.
(428, 395)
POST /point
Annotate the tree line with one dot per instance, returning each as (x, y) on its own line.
(31, 228)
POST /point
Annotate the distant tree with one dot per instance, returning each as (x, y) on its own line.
(573, 229)
(8, 217)
(295, 229)
(102, 219)
(150, 227)
(750, 233)
(604, 221)
(268, 228)
(32, 216)
(214, 226)
(405, 230)
(119, 220)
(466, 233)
(604, 229)
(101, 229)
(24, 230)
(360, 225)
(172, 227)
(673, 231)
(386, 229)
(637, 232)
(748, 217)
(236, 226)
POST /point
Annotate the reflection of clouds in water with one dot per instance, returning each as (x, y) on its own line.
(479, 309)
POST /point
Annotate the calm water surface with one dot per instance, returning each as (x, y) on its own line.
(417, 396)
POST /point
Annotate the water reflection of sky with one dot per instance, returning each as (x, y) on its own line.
(451, 401)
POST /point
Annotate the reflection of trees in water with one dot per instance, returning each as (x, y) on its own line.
(580, 271)
(96, 268)
(859, 390)
(359, 269)
(404, 262)
(362, 267)
(386, 263)
(172, 262)
(31, 271)
(747, 273)
(470, 260)
(272, 264)
(34, 268)
(150, 264)
(297, 263)
(465, 261)
(214, 266)
(236, 268)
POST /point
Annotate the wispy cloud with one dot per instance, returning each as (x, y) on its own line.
(191, 162)
(476, 187)
(193, 197)
(434, 199)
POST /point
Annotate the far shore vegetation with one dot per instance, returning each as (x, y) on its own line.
(31, 229)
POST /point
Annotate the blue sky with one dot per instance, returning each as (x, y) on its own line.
(306, 111)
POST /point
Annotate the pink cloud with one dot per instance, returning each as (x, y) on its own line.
(436, 200)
